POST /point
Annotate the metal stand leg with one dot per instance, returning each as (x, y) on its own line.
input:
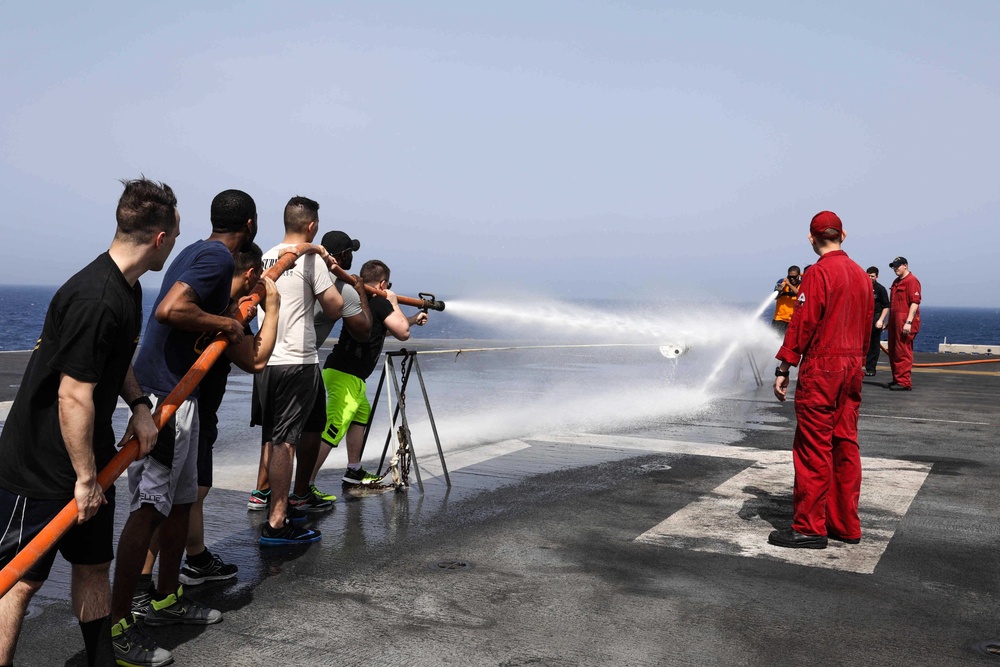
(399, 390)
(756, 369)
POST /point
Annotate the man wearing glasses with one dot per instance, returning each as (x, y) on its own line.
(350, 364)
(788, 292)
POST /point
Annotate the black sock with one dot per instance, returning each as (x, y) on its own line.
(200, 560)
(97, 640)
(145, 583)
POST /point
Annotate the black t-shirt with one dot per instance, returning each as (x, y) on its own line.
(881, 301)
(90, 333)
(359, 359)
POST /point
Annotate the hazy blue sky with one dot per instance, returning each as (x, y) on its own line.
(573, 148)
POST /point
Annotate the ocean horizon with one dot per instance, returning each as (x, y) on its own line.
(23, 307)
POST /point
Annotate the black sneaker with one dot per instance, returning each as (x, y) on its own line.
(293, 513)
(132, 646)
(141, 601)
(287, 534)
(215, 569)
(360, 476)
(178, 609)
(309, 503)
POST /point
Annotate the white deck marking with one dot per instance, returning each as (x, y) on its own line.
(727, 520)
(430, 464)
(924, 419)
(234, 476)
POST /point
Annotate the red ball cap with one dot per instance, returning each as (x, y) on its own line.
(823, 222)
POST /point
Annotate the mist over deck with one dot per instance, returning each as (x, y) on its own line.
(640, 544)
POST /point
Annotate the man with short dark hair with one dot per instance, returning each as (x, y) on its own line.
(787, 291)
(309, 455)
(829, 335)
(288, 385)
(352, 361)
(193, 301)
(880, 314)
(250, 355)
(904, 323)
(59, 432)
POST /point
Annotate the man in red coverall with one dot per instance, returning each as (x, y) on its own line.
(829, 334)
(904, 323)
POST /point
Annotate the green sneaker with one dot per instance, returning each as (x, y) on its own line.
(134, 649)
(322, 496)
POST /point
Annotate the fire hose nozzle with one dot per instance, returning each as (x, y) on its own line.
(429, 302)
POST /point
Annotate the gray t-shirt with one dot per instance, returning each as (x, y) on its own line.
(296, 344)
(352, 307)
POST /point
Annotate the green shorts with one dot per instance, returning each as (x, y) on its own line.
(346, 404)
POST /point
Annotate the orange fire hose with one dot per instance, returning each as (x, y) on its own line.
(63, 521)
(425, 302)
(968, 362)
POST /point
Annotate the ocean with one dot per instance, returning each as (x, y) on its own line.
(22, 311)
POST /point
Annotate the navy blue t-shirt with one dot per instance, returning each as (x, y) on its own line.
(166, 354)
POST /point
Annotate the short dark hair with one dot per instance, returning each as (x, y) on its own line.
(145, 209)
(299, 212)
(231, 209)
(873, 269)
(250, 256)
(374, 271)
(795, 269)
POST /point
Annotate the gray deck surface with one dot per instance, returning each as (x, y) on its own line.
(644, 547)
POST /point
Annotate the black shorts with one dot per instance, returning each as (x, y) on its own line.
(316, 421)
(22, 518)
(287, 400)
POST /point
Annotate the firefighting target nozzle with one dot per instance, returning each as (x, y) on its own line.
(674, 350)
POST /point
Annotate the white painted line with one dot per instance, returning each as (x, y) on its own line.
(728, 521)
(5, 409)
(430, 465)
(672, 446)
(924, 419)
(237, 477)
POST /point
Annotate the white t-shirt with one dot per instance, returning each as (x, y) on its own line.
(352, 307)
(299, 286)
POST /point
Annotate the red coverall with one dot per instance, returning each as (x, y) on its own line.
(829, 333)
(904, 291)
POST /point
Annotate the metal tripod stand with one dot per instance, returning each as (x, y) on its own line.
(399, 384)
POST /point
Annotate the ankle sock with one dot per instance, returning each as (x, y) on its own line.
(200, 560)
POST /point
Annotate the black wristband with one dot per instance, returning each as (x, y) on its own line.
(142, 400)
(778, 373)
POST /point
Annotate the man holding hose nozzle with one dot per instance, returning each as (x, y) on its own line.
(829, 335)
(350, 364)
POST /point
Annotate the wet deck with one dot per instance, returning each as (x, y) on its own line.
(639, 547)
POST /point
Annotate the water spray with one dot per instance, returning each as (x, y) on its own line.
(737, 341)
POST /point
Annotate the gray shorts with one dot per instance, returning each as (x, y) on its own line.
(168, 476)
(287, 398)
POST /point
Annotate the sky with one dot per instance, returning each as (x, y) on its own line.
(568, 149)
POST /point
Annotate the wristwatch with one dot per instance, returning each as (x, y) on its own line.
(778, 373)
(142, 400)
